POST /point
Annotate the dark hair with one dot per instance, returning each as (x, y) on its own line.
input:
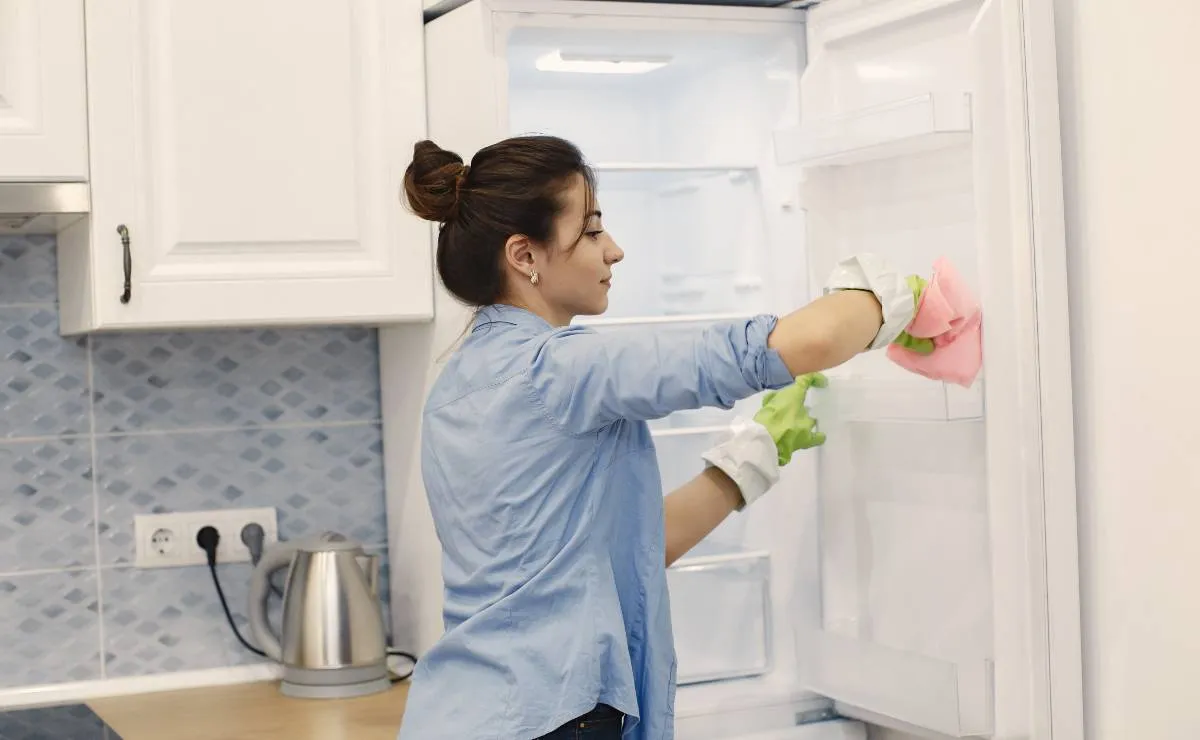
(514, 186)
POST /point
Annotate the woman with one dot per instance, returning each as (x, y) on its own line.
(539, 466)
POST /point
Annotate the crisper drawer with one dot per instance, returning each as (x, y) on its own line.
(720, 611)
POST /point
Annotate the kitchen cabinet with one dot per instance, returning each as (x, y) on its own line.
(247, 160)
(43, 97)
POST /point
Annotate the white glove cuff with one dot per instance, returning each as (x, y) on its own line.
(749, 457)
(869, 272)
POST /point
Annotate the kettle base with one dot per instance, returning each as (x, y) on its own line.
(334, 683)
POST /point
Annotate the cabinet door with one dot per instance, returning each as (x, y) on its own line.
(43, 106)
(253, 152)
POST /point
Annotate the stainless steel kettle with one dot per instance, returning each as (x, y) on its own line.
(332, 642)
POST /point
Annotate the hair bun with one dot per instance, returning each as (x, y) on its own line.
(433, 180)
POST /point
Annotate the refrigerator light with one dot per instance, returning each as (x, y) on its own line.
(557, 61)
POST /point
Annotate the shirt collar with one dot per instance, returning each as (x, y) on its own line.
(502, 313)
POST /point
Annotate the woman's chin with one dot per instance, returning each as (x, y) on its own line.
(595, 309)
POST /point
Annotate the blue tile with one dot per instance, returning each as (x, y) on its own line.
(328, 478)
(51, 628)
(43, 377)
(28, 270)
(46, 513)
(235, 378)
(168, 620)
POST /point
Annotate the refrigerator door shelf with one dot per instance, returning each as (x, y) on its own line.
(955, 699)
(919, 124)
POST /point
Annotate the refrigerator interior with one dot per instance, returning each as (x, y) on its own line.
(740, 153)
(873, 552)
(689, 188)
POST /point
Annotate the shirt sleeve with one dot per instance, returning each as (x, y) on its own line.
(586, 380)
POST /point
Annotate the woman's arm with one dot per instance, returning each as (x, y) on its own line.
(696, 508)
(827, 332)
(585, 380)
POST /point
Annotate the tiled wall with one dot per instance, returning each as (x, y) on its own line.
(94, 430)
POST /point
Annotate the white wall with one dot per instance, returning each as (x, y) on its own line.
(1129, 77)
(1131, 115)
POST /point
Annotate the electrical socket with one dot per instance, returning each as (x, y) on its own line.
(169, 540)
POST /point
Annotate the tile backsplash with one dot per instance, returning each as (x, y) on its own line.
(96, 429)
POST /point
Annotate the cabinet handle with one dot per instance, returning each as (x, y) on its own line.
(128, 259)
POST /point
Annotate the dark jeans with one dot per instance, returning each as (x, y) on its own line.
(602, 723)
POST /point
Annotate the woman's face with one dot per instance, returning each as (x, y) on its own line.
(575, 277)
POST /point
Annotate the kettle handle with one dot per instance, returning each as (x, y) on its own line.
(274, 559)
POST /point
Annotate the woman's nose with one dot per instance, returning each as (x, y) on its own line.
(615, 255)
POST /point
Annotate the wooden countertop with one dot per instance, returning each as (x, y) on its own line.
(255, 711)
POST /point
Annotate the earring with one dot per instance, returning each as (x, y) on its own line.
(533, 277)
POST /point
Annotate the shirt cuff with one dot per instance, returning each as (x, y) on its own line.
(769, 367)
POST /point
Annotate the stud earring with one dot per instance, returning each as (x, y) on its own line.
(533, 278)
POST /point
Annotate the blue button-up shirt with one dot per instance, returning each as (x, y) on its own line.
(545, 492)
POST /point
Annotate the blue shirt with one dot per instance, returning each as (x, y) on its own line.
(545, 492)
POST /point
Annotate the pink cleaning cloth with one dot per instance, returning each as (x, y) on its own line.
(949, 315)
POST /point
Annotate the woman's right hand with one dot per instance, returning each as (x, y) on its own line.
(895, 294)
(867, 306)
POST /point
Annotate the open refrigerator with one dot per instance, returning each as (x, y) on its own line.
(918, 571)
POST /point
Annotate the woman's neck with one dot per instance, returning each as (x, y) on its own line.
(538, 306)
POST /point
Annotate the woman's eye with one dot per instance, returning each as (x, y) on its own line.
(595, 234)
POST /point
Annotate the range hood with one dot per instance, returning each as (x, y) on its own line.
(42, 207)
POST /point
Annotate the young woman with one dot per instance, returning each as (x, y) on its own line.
(538, 463)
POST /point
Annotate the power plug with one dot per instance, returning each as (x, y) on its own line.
(209, 539)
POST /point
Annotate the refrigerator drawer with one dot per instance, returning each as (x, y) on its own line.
(720, 607)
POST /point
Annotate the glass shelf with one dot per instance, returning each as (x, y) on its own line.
(890, 399)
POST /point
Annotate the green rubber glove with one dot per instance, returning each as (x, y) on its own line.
(919, 345)
(786, 418)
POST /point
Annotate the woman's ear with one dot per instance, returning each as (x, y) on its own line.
(519, 253)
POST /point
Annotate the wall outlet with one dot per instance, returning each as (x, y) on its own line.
(169, 540)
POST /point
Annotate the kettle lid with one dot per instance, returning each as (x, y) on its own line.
(327, 542)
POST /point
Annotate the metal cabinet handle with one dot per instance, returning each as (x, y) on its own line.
(128, 259)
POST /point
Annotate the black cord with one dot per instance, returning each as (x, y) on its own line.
(208, 538)
(410, 657)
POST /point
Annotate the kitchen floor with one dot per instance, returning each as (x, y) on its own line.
(254, 711)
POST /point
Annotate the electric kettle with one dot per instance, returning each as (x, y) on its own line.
(332, 642)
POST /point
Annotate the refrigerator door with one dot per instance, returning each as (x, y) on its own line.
(946, 514)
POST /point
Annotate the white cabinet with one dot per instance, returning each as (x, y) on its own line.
(43, 98)
(247, 160)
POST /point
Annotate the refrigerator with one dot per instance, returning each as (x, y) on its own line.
(919, 571)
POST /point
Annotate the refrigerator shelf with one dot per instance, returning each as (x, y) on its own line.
(669, 179)
(685, 431)
(914, 125)
(950, 697)
(857, 398)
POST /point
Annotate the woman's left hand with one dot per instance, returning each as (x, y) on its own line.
(788, 420)
(753, 452)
